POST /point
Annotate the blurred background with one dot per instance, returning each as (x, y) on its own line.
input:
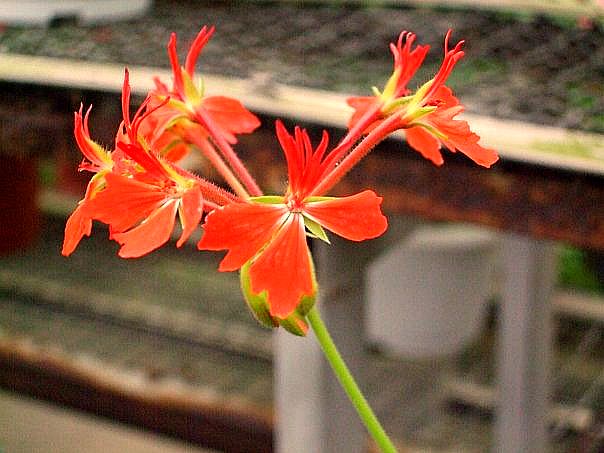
(160, 353)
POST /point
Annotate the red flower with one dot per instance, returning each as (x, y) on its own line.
(190, 108)
(406, 64)
(270, 232)
(135, 192)
(96, 160)
(427, 116)
(141, 210)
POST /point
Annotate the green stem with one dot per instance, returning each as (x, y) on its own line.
(348, 383)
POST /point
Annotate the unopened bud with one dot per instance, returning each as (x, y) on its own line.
(258, 304)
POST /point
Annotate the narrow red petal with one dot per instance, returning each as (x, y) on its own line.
(78, 225)
(357, 217)
(126, 98)
(293, 156)
(284, 269)
(424, 142)
(152, 233)
(95, 154)
(407, 61)
(242, 229)
(197, 46)
(145, 159)
(176, 69)
(190, 211)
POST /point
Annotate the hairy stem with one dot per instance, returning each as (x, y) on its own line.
(229, 154)
(361, 150)
(208, 150)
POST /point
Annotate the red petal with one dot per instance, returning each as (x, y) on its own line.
(460, 137)
(172, 150)
(78, 225)
(152, 233)
(444, 95)
(91, 151)
(190, 210)
(283, 269)
(407, 61)
(356, 218)
(482, 156)
(125, 202)
(197, 46)
(361, 105)
(424, 142)
(241, 228)
(231, 116)
(145, 159)
(158, 131)
(176, 70)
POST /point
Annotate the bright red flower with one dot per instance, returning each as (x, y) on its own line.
(141, 211)
(270, 232)
(406, 64)
(96, 160)
(140, 207)
(135, 192)
(428, 115)
(188, 103)
(211, 123)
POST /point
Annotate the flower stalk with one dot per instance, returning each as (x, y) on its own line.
(348, 382)
(210, 152)
(230, 155)
(354, 157)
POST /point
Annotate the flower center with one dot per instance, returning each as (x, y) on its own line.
(294, 205)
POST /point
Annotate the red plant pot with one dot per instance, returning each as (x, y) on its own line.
(19, 212)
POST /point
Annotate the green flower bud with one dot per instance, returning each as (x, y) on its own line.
(258, 304)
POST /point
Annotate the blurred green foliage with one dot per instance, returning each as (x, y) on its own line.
(575, 272)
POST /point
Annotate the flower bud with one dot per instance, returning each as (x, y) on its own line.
(259, 305)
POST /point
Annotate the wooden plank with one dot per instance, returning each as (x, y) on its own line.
(546, 195)
(564, 7)
(62, 430)
(202, 418)
(484, 398)
(536, 144)
(224, 334)
(574, 304)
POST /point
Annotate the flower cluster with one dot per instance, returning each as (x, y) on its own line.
(139, 188)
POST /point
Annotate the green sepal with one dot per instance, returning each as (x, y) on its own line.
(268, 199)
(395, 104)
(257, 303)
(315, 229)
(314, 199)
(176, 120)
(178, 105)
(419, 113)
(192, 93)
(431, 129)
(295, 324)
